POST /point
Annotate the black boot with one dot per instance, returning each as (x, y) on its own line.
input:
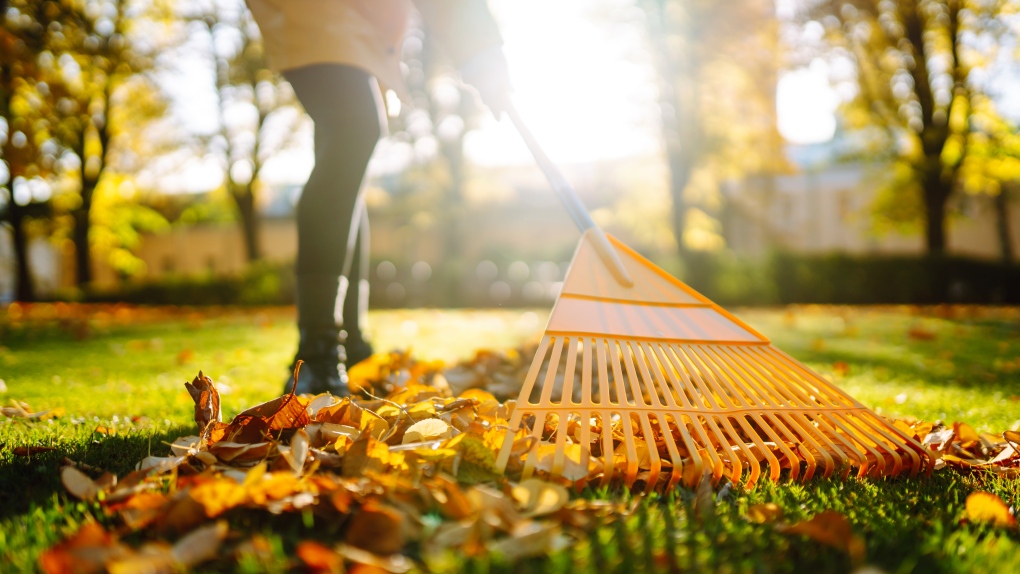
(356, 349)
(319, 345)
(323, 367)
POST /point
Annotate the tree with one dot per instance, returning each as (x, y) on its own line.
(108, 55)
(913, 62)
(992, 166)
(269, 115)
(717, 66)
(26, 95)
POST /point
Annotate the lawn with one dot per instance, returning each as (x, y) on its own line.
(124, 369)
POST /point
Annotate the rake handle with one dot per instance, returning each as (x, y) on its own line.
(568, 197)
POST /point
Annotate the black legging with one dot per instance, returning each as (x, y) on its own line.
(341, 101)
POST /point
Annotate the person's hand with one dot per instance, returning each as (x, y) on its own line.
(487, 72)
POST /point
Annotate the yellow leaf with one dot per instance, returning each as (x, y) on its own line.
(478, 394)
(426, 430)
(966, 435)
(538, 497)
(989, 508)
(762, 513)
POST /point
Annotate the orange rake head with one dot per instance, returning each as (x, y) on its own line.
(656, 383)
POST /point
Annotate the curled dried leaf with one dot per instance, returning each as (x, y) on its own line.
(207, 401)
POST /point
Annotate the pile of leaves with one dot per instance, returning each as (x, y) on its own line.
(406, 472)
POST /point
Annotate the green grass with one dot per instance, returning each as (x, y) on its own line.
(130, 377)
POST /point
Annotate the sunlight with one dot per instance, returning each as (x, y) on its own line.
(582, 81)
(806, 106)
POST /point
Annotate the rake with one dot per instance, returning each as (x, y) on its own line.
(645, 377)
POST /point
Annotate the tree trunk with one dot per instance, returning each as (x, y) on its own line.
(681, 128)
(25, 290)
(245, 200)
(1002, 225)
(936, 194)
(80, 235)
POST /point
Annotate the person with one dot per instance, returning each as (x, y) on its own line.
(334, 53)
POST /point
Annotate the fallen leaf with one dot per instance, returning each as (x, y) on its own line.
(207, 401)
(537, 497)
(319, 558)
(919, 333)
(376, 528)
(201, 545)
(426, 430)
(87, 551)
(832, 529)
(985, 507)
(396, 563)
(78, 484)
(763, 513)
(30, 450)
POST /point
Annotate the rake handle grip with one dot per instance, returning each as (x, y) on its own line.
(568, 197)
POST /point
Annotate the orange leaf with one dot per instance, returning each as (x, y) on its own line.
(87, 551)
(832, 529)
(988, 508)
(966, 435)
(318, 558)
(252, 425)
(218, 496)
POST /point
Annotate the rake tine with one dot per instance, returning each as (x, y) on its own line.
(536, 433)
(561, 444)
(600, 353)
(674, 453)
(567, 397)
(654, 461)
(669, 361)
(609, 465)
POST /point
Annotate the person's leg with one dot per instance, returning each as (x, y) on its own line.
(341, 101)
(356, 347)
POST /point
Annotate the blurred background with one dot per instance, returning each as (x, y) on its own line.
(765, 152)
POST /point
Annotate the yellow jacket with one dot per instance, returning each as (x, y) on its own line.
(367, 33)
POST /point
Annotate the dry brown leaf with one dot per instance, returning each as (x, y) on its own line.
(31, 450)
(201, 545)
(85, 552)
(985, 507)
(377, 528)
(366, 562)
(207, 401)
(832, 529)
(78, 484)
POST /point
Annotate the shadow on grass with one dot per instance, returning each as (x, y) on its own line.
(31, 480)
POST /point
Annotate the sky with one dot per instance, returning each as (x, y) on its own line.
(583, 83)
